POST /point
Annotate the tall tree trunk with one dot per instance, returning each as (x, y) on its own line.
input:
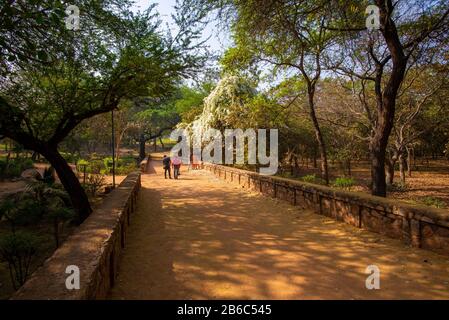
(142, 141)
(162, 143)
(319, 137)
(297, 168)
(70, 182)
(402, 165)
(390, 171)
(386, 100)
(409, 162)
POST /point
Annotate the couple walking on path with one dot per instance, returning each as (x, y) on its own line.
(174, 162)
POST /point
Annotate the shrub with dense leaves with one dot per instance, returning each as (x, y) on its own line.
(18, 250)
(344, 183)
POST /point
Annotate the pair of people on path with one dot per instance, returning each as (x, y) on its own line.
(174, 162)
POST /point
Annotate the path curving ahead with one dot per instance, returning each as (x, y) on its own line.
(200, 238)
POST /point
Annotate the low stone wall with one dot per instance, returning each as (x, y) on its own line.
(144, 164)
(94, 248)
(419, 226)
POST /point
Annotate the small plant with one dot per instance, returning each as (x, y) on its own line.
(59, 215)
(433, 202)
(18, 250)
(108, 162)
(8, 210)
(95, 166)
(311, 178)
(344, 183)
(94, 183)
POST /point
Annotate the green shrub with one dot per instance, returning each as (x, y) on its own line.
(126, 169)
(29, 212)
(81, 165)
(14, 167)
(94, 183)
(70, 157)
(344, 182)
(123, 166)
(108, 163)
(92, 166)
(433, 202)
(18, 250)
(95, 166)
(21, 211)
(128, 159)
(58, 216)
(311, 178)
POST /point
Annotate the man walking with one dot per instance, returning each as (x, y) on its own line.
(166, 162)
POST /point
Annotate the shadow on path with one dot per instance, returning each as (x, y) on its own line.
(200, 238)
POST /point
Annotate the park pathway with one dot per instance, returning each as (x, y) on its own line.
(200, 238)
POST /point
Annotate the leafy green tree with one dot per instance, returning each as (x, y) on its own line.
(310, 36)
(410, 33)
(116, 55)
(289, 38)
(155, 117)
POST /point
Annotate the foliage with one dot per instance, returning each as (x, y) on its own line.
(117, 55)
(18, 250)
(21, 211)
(59, 215)
(13, 168)
(310, 178)
(126, 169)
(433, 202)
(344, 183)
(225, 106)
(94, 183)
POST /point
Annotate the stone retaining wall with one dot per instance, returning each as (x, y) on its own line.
(144, 164)
(94, 248)
(419, 226)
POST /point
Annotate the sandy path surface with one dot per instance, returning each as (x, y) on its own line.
(200, 238)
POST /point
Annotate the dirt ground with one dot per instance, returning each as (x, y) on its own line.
(200, 238)
(429, 179)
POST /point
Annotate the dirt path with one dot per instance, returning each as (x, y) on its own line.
(200, 238)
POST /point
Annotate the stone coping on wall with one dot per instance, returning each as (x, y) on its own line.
(94, 247)
(416, 225)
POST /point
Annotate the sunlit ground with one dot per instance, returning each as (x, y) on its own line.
(200, 238)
